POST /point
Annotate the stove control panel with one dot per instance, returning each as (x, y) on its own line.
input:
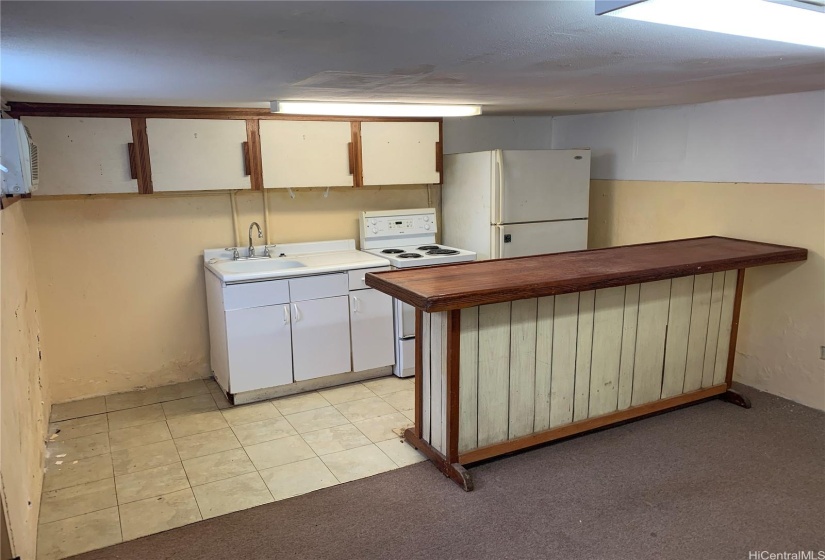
(403, 224)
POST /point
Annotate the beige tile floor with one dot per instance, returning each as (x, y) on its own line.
(129, 465)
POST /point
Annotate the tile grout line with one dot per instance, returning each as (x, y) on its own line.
(117, 498)
(188, 481)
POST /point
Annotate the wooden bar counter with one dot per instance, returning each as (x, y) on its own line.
(513, 353)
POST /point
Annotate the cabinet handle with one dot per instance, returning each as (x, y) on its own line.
(245, 147)
(132, 161)
(356, 305)
(297, 313)
(286, 314)
(351, 159)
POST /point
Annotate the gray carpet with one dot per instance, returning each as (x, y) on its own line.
(710, 481)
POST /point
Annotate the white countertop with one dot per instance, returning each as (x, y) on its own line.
(301, 259)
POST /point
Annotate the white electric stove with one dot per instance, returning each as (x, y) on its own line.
(406, 238)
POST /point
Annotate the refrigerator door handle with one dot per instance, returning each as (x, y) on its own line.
(498, 197)
(496, 234)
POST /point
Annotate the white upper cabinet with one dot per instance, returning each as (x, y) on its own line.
(82, 155)
(306, 154)
(197, 154)
(399, 153)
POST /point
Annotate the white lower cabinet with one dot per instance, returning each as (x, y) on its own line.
(320, 337)
(372, 329)
(259, 347)
(276, 332)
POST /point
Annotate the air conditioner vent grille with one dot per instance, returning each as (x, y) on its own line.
(35, 167)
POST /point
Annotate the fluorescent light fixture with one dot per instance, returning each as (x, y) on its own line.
(748, 18)
(373, 109)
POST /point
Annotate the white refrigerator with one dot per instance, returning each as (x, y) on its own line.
(514, 203)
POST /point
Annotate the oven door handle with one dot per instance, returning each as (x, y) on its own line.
(408, 337)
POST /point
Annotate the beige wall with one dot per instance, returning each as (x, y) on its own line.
(121, 280)
(24, 394)
(782, 322)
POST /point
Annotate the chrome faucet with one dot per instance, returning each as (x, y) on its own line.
(260, 234)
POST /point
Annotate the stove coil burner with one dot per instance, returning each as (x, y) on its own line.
(428, 247)
(440, 251)
(392, 251)
(409, 256)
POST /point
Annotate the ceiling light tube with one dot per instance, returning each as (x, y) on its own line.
(423, 110)
(759, 19)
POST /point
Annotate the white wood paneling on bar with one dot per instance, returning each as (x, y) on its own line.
(425, 376)
(630, 322)
(650, 341)
(565, 325)
(443, 355)
(493, 372)
(523, 315)
(535, 364)
(584, 350)
(544, 357)
(436, 386)
(608, 315)
(468, 381)
(714, 317)
(725, 325)
(678, 330)
(699, 312)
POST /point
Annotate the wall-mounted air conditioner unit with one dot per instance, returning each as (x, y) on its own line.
(18, 158)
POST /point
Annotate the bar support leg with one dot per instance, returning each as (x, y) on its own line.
(454, 471)
(735, 397)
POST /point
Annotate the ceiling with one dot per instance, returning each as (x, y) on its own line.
(550, 57)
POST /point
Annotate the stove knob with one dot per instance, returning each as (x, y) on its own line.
(426, 226)
(374, 229)
(372, 221)
(426, 218)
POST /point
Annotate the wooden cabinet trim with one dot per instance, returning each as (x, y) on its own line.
(143, 164)
(357, 159)
(252, 154)
(133, 173)
(19, 109)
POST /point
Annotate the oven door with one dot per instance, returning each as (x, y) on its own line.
(405, 315)
(404, 339)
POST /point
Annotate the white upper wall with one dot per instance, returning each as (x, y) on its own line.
(775, 139)
(477, 134)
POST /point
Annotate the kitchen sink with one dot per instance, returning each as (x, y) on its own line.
(299, 259)
(258, 265)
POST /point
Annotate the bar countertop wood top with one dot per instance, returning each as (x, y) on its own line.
(456, 286)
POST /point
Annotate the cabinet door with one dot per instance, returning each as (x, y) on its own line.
(82, 155)
(399, 153)
(306, 154)
(320, 337)
(372, 330)
(259, 346)
(197, 154)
